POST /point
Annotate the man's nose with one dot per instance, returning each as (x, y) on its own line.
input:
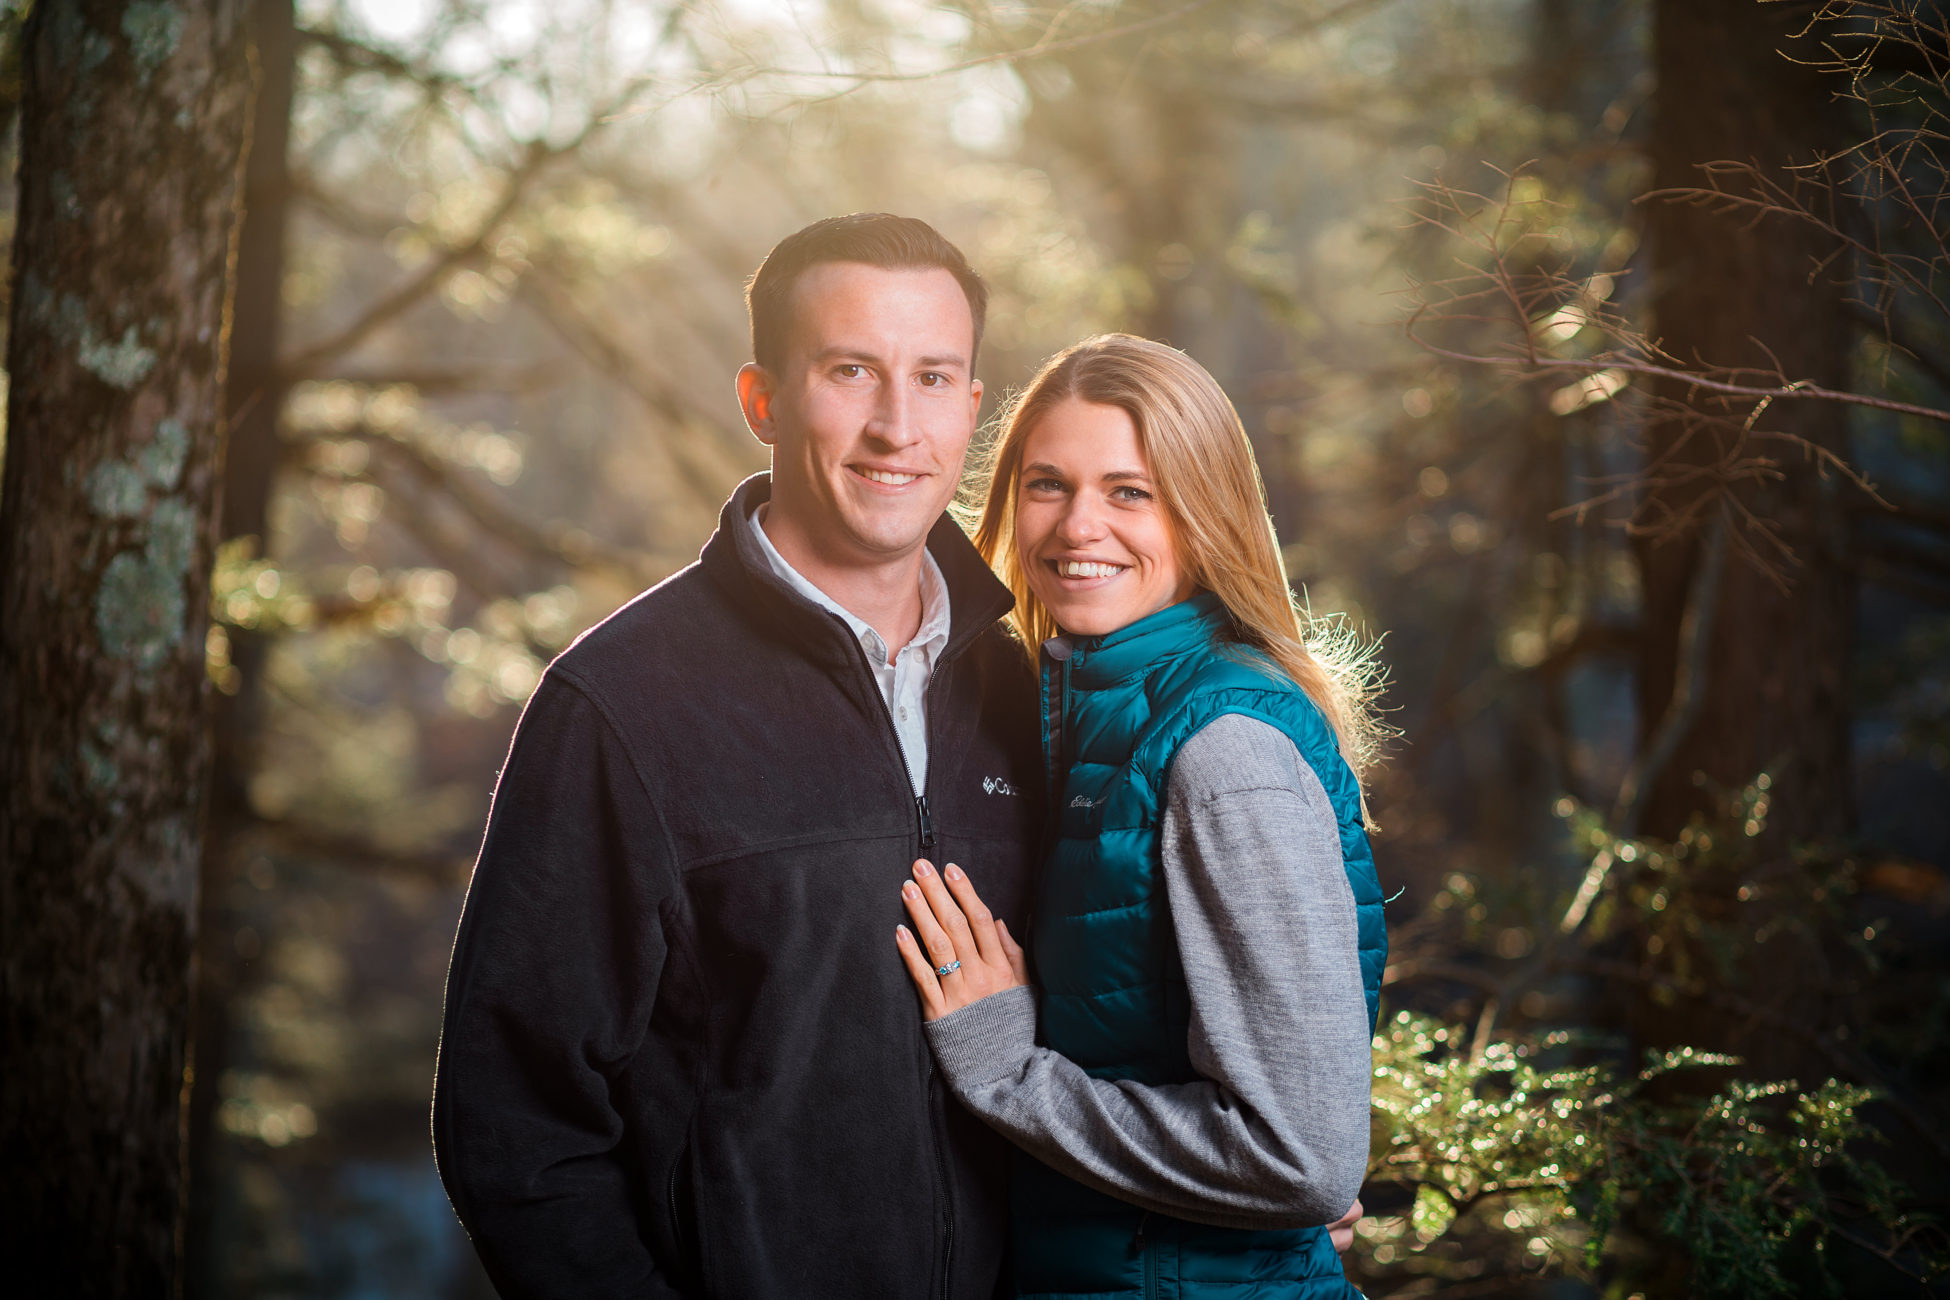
(894, 421)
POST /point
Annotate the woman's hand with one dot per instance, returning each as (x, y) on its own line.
(955, 928)
(1341, 1232)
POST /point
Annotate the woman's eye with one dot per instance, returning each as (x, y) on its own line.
(1043, 485)
(1128, 493)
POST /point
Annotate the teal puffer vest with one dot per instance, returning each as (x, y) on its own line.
(1115, 710)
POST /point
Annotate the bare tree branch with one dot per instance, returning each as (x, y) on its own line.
(598, 345)
(1043, 45)
(307, 363)
(486, 377)
(560, 543)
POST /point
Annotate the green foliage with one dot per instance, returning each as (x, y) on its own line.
(1749, 1179)
(1543, 1136)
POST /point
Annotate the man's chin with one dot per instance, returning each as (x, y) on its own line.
(887, 544)
(890, 535)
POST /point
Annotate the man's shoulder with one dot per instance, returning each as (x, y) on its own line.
(674, 620)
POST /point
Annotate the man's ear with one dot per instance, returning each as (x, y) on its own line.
(755, 400)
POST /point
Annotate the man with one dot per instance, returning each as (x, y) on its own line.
(680, 1054)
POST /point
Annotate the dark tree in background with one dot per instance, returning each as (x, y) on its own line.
(253, 400)
(1734, 291)
(133, 125)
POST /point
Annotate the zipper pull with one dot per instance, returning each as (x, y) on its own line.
(927, 821)
(1142, 1220)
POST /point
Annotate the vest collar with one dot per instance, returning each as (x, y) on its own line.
(1174, 631)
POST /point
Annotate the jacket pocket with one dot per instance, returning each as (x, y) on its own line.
(944, 1284)
(680, 1202)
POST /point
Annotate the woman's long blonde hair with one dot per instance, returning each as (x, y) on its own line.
(1203, 467)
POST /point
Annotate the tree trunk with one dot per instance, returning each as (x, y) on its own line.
(254, 400)
(1773, 693)
(132, 130)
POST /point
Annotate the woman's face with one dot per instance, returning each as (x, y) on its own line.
(1095, 542)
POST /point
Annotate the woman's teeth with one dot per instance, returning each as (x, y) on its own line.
(1088, 569)
(891, 480)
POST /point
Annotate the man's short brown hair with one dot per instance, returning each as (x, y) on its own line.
(875, 238)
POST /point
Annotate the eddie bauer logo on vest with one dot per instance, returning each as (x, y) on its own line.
(996, 785)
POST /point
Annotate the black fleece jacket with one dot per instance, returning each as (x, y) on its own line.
(680, 1054)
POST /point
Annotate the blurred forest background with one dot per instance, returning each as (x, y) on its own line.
(1597, 357)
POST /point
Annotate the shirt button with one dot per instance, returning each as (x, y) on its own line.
(903, 713)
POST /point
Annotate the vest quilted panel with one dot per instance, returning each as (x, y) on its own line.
(1117, 708)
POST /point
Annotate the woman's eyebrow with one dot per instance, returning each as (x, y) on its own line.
(1108, 476)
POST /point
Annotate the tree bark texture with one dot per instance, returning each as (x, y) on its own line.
(133, 126)
(1773, 694)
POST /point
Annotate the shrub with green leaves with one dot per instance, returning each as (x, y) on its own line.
(1747, 1178)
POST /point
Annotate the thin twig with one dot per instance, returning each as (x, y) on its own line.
(1037, 49)
(1688, 691)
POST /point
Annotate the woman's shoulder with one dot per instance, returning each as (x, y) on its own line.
(1265, 715)
(1237, 679)
(1237, 753)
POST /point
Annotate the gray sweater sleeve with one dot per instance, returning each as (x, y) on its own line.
(1275, 1131)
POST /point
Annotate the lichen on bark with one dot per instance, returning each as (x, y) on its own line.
(117, 490)
(153, 30)
(140, 607)
(122, 362)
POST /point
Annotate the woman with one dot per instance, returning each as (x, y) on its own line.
(1207, 931)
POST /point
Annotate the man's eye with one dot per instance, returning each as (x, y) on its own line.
(933, 379)
(849, 371)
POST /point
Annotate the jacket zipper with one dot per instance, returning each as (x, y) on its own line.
(924, 818)
(923, 815)
(1148, 1256)
(1056, 700)
(936, 1107)
(927, 818)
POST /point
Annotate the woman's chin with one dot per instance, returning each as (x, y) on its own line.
(1084, 620)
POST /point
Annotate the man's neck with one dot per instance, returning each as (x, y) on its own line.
(885, 594)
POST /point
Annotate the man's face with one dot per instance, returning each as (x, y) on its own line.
(870, 413)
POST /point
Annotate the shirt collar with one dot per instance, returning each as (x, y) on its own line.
(931, 636)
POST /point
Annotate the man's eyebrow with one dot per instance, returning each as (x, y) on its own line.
(849, 353)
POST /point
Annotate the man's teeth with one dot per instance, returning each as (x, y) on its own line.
(883, 476)
(1089, 569)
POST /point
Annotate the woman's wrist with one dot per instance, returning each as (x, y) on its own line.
(986, 1039)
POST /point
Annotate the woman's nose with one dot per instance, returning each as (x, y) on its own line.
(1081, 524)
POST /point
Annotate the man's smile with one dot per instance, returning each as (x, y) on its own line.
(885, 477)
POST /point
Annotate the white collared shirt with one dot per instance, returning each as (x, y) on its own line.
(903, 682)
